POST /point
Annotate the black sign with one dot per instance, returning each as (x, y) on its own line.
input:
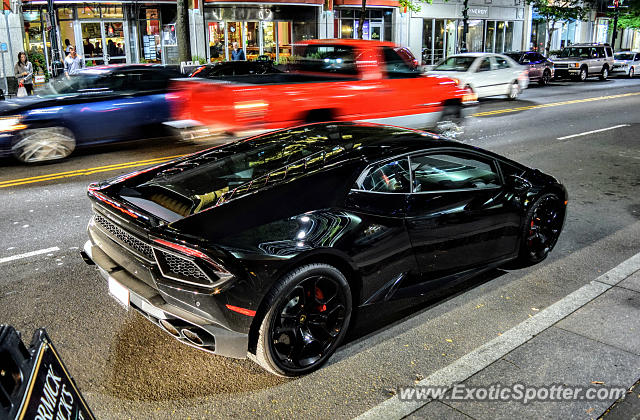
(51, 393)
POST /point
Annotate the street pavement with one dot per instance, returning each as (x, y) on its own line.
(128, 368)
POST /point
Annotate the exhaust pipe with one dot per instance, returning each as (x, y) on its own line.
(166, 325)
(197, 338)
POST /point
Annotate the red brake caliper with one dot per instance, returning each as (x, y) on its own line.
(320, 296)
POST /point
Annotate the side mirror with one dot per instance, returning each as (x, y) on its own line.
(517, 183)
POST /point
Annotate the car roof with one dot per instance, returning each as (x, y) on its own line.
(348, 42)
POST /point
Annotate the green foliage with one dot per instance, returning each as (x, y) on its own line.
(629, 16)
(39, 64)
(559, 10)
(414, 5)
(200, 60)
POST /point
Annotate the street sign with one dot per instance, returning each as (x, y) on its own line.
(3, 47)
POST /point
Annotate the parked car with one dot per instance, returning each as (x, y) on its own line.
(267, 246)
(580, 61)
(234, 68)
(332, 79)
(486, 74)
(100, 105)
(626, 63)
(541, 69)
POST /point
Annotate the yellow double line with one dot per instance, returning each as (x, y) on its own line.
(87, 171)
(549, 105)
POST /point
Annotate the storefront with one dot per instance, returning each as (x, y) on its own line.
(265, 30)
(104, 33)
(376, 26)
(437, 30)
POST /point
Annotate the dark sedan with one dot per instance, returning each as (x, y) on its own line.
(266, 246)
(540, 67)
(100, 105)
(234, 68)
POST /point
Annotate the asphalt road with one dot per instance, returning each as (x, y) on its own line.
(128, 368)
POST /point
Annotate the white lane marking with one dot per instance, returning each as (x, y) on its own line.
(473, 362)
(28, 254)
(592, 131)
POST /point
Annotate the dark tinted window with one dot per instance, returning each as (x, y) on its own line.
(485, 65)
(339, 59)
(502, 63)
(389, 177)
(395, 66)
(623, 56)
(609, 52)
(517, 56)
(438, 172)
(456, 64)
(144, 80)
(576, 52)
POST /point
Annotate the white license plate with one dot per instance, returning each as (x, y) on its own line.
(119, 292)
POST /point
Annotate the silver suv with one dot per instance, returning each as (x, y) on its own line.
(580, 61)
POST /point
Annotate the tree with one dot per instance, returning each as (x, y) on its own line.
(182, 31)
(555, 11)
(413, 5)
(629, 17)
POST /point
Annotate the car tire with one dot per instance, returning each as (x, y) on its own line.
(451, 121)
(545, 78)
(514, 91)
(604, 75)
(583, 74)
(543, 224)
(43, 144)
(631, 73)
(306, 318)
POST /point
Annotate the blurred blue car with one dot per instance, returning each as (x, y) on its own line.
(100, 105)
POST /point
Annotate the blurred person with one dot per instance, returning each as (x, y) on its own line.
(119, 50)
(24, 72)
(87, 47)
(72, 63)
(237, 54)
(111, 48)
(98, 48)
(67, 45)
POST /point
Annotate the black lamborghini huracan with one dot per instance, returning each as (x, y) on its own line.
(264, 247)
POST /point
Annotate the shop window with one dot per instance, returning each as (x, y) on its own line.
(67, 35)
(112, 11)
(304, 31)
(88, 11)
(508, 36)
(65, 13)
(252, 50)
(284, 39)
(234, 34)
(491, 33)
(346, 28)
(500, 38)
(216, 41)
(269, 39)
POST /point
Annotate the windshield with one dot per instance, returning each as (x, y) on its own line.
(456, 64)
(514, 56)
(623, 56)
(83, 83)
(577, 52)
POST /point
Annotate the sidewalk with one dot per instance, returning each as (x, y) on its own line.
(590, 338)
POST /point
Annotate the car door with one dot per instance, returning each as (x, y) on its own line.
(536, 65)
(505, 74)
(596, 61)
(381, 247)
(636, 63)
(485, 77)
(460, 214)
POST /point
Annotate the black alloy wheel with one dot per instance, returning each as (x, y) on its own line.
(546, 78)
(542, 228)
(309, 313)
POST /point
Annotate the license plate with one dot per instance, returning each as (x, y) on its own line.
(119, 292)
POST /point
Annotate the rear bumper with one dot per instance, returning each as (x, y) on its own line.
(183, 325)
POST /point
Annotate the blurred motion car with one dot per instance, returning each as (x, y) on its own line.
(580, 61)
(408, 57)
(99, 105)
(626, 63)
(266, 246)
(234, 68)
(335, 79)
(541, 69)
(485, 74)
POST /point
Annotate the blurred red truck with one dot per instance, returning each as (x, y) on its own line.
(329, 80)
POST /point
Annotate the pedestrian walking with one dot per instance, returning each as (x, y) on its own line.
(23, 71)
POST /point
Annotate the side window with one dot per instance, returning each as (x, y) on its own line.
(395, 66)
(609, 52)
(453, 171)
(145, 80)
(532, 57)
(595, 53)
(485, 65)
(502, 63)
(388, 177)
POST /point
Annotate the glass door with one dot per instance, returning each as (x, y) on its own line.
(376, 31)
(113, 38)
(92, 44)
(269, 39)
(234, 34)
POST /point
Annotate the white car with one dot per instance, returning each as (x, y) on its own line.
(486, 74)
(626, 63)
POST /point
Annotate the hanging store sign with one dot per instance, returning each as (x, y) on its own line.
(476, 11)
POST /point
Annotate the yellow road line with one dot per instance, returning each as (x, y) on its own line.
(552, 104)
(83, 172)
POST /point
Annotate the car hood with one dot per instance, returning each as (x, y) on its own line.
(568, 59)
(15, 106)
(622, 61)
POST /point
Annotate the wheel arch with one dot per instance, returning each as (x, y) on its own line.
(328, 256)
